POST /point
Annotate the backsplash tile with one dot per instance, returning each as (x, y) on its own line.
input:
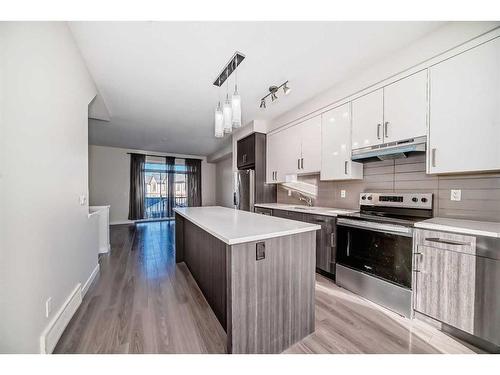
(480, 192)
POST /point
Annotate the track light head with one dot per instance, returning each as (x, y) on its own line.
(263, 104)
(286, 89)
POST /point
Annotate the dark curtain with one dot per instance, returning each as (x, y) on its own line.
(136, 202)
(170, 163)
(193, 174)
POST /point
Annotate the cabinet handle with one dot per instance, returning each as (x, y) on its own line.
(298, 163)
(433, 157)
(447, 242)
(386, 127)
(332, 240)
(302, 163)
(244, 158)
(378, 131)
(345, 167)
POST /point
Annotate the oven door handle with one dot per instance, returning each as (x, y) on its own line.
(377, 227)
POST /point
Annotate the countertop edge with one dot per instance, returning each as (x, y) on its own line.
(308, 212)
(450, 228)
(240, 240)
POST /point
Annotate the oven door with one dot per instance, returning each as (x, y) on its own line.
(378, 249)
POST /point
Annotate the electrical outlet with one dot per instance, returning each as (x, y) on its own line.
(48, 307)
(342, 193)
(456, 195)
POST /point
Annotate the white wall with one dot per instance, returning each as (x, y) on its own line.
(48, 244)
(110, 180)
(449, 36)
(224, 182)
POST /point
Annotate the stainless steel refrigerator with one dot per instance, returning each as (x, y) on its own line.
(244, 190)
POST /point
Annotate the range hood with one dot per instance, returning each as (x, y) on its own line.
(391, 150)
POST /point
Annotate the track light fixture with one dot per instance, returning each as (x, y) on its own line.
(273, 90)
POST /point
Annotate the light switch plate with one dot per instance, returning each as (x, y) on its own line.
(342, 193)
(456, 195)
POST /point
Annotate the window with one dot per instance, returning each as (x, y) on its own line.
(159, 201)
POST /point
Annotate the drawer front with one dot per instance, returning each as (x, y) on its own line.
(263, 211)
(446, 241)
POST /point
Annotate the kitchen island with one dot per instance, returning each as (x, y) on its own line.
(256, 272)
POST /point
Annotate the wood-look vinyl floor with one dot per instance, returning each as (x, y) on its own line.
(143, 302)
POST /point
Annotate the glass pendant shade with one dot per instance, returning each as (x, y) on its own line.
(236, 109)
(219, 122)
(228, 116)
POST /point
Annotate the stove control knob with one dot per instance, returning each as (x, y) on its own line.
(363, 197)
(424, 199)
(370, 198)
(415, 199)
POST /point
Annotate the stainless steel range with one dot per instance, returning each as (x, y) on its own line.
(374, 247)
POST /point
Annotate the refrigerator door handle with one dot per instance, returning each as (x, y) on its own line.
(252, 190)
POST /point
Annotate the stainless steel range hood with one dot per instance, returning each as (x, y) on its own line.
(391, 150)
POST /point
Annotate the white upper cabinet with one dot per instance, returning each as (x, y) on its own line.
(405, 108)
(367, 120)
(272, 157)
(336, 161)
(310, 135)
(464, 123)
(289, 150)
(294, 150)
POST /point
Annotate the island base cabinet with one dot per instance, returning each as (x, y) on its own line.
(271, 301)
(261, 292)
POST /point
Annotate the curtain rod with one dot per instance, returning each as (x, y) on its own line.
(161, 156)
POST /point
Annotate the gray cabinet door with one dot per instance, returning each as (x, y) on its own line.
(445, 286)
(325, 242)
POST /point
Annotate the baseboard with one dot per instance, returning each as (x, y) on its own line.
(55, 328)
(90, 280)
(57, 325)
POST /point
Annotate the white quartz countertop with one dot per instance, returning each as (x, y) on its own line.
(315, 210)
(234, 226)
(479, 228)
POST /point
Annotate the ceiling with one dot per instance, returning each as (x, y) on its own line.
(156, 77)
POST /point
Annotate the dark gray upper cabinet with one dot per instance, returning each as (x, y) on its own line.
(251, 154)
(246, 152)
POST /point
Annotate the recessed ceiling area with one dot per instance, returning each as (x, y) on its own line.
(156, 78)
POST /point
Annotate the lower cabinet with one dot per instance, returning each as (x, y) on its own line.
(445, 285)
(457, 278)
(325, 238)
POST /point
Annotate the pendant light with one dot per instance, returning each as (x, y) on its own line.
(219, 121)
(236, 101)
(227, 112)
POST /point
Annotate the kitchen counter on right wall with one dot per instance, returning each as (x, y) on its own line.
(479, 228)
